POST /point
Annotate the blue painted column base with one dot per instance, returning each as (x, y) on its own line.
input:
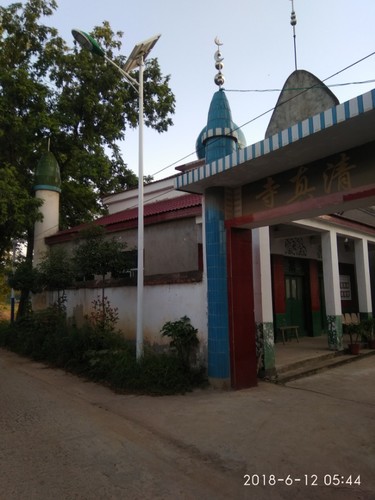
(217, 290)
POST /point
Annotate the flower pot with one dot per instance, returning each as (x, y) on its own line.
(354, 348)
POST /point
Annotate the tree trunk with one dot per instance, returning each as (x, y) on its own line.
(23, 306)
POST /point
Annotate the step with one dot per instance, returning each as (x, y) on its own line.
(309, 361)
(321, 364)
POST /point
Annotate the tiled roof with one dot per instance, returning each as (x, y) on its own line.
(156, 208)
(155, 212)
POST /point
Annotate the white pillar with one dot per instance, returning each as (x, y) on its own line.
(50, 223)
(332, 289)
(263, 310)
(362, 268)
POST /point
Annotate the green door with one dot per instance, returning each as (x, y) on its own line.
(295, 305)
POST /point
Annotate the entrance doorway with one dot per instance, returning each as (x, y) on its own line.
(295, 302)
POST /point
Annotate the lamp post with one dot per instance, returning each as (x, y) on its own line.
(135, 60)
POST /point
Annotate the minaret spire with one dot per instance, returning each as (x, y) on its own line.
(219, 77)
(293, 22)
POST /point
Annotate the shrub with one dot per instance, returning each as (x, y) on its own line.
(103, 316)
(100, 355)
(184, 340)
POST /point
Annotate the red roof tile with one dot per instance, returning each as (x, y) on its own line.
(158, 208)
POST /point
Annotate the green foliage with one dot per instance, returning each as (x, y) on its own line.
(103, 316)
(184, 340)
(56, 270)
(368, 326)
(354, 332)
(48, 89)
(97, 255)
(18, 210)
(103, 356)
(25, 277)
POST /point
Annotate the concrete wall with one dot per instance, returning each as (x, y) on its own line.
(162, 303)
(300, 103)
(172, 247)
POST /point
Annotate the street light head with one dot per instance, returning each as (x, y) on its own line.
(87, 42)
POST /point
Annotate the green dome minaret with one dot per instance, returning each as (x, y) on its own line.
(47, 175)
(47, 187)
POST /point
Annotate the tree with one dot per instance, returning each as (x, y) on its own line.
(57, 272)
(48, 90)
(96, 255)
(26, 279)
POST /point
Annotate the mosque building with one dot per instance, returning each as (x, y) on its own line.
(252, 243)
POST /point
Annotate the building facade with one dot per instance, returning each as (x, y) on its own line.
(249, 239)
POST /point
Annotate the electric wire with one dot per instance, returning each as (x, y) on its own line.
(262, 114)
(301, 88)
(274, 107)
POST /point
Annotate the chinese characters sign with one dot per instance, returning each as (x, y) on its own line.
(339, 173)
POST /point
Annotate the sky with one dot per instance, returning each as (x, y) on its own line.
(258, 54)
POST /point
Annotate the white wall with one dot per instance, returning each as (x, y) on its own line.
(50, 223)
(162, 303)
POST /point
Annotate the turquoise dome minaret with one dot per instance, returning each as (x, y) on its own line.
(221, 136)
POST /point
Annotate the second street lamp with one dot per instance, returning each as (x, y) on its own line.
(135, 60)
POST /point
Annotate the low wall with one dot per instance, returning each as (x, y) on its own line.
(162, 303)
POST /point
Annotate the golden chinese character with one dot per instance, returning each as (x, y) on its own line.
(302, 188)
(338, 172)
(268, 195)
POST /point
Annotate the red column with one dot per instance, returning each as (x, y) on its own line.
(241, 309)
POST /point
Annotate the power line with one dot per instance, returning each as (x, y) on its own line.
(300, 88)
(280, 104)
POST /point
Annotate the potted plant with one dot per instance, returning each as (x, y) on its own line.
(368, 332)
(354, 332)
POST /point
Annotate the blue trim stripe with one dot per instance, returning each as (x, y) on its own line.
(334, 116)
(47, 187)
(300, 133)
(290, 136)
(322, 121)
(345, 111)
(360, 104)
(253, 151)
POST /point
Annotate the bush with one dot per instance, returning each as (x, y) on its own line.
(100, 355)
(184, 340)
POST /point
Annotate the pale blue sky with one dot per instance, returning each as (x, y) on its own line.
(257, 49)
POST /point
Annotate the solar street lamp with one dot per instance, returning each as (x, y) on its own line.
(136, 60)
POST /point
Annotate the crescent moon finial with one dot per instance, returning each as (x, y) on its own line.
(219, 77)
(217, 41)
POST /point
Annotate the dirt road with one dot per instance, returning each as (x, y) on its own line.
(64, 438)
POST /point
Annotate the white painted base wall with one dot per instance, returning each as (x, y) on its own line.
(162, 303)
